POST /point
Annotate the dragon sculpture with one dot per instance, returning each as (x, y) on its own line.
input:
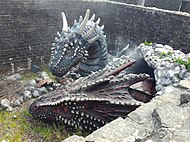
(84, 44)
(103, 94)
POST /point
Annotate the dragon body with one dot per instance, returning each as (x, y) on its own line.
(97, 98)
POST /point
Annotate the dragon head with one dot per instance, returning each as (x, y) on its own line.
(72, 44)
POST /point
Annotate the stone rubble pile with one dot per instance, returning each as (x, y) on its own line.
(32, 90)
(167, 63)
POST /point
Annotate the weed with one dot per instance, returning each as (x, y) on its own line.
(148, 43)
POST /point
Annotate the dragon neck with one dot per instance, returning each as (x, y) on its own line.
(97, 59)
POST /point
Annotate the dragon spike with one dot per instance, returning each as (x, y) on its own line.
(93, 39)
(80, 19)
(75, 22)
(65, 25)
(102, 27)
(98, 21)
(90, 31)
(83, 24)
(93, 17)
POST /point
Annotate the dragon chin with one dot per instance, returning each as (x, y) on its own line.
(64, 66)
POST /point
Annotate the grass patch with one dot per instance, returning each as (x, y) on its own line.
(29, 75)
(19, 126)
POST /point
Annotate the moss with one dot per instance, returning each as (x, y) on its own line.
(186, 63)
(148, 43)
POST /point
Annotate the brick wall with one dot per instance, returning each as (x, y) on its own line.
(162, 4)
(28, 27)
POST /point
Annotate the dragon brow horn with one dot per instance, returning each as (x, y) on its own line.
(83, 24)
(65, 25)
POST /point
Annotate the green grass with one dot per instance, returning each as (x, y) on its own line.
(28, 75)
(180, 61)
(24, 127)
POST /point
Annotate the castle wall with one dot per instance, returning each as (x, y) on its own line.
(28, 27)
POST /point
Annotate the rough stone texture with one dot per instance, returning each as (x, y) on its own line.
(162, 4)
(167, 64)
(28, 27)
(163, 119)
(75, 138)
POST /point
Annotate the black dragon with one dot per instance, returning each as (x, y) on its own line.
(103, 94)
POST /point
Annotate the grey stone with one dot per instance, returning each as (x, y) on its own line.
(17, 103)
(185, 98)
(43, 75)
(27, 95)
(20, 99)
(75, 138)
(32, 82)
(115, 131)
(30, 88)
(5, 103)
(185, 84)
(42, 90)
(159, 46)
(9, 109)
(181, 136)
(49, 88)
(56, 85)
(15, 76)
(35, 94)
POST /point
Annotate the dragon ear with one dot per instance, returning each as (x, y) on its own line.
(65, 25)
(83, 24)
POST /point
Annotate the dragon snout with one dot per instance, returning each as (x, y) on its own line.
(34, 108)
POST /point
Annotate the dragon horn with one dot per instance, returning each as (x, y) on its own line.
(65, 25)
(83, 24)
(92, 18)
(90, 31)
(80, 19)
(93, 39)
(98, 21)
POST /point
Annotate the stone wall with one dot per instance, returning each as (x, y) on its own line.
(28, 27)
(162, 4)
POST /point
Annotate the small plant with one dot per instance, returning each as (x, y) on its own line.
(180, 61)
(163, 54)
(148, 43)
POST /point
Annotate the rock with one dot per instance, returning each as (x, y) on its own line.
(35, 94)
(42, 90)
(32, 82)
(15, 76)
(43, 75)
(185, 98)
(17, 103)
(5, 103)
(20, 99)
(35, 68)
(159, 46)
(30, 88)
(27, 95)
(75, 138)
(185, 84)
(49, 88)
(9, 109)
(56, 85)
